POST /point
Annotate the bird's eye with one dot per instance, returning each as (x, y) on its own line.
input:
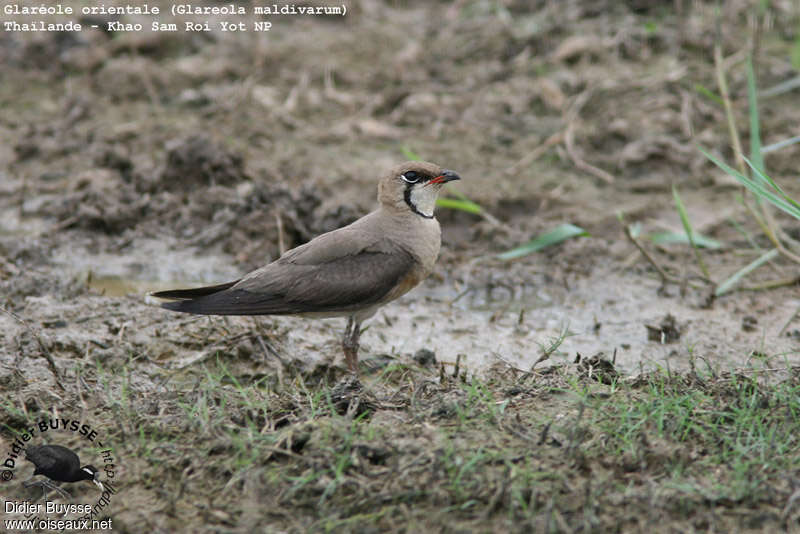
(410, 177)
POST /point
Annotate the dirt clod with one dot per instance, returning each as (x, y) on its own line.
(749, 323)
(349, 397)
(425, 357)
(667, 331)
(598, 368)
(196, 161)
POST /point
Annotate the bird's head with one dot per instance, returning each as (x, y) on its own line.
(91, 473)
(413, 186)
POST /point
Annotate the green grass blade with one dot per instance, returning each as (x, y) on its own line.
(558, 234)
(780, 144)
(459, 204)
(708, 93)
(755, 129)
(772, 197)
(665, 238)
(722, 165)
(409, 154)
(783, 87)
(737, 277)
(794, 54)
(687, 227)
(682, 213)
(766, 179)
(757, 187)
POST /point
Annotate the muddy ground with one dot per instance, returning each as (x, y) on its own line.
(137, 161)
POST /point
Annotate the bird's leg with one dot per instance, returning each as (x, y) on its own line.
(64, 493)
(350, 344)
(45, 485)
(33, 482)
(346, 342)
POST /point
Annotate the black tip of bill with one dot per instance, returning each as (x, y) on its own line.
(449, 176)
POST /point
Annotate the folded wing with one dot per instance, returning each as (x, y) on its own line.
(288, 286)
(48, 457)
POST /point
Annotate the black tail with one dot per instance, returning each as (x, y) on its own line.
(186, 294)
(222, 300)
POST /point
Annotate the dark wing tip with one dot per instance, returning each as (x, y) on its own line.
(174, 305)
(204, 305)
(182, 294)
(227, 302)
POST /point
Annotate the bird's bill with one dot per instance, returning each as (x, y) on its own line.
(446, 176)
(99, 485)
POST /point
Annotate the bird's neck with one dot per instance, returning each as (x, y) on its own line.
(420, 201)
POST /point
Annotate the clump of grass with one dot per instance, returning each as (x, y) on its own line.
(751, 173)
(501, 452)
(764, 189)
(686, 428)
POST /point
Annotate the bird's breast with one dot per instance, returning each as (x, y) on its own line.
(424, 244)
(408, 282)
(422, 240)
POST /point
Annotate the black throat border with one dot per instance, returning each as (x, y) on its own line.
(407, 197)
